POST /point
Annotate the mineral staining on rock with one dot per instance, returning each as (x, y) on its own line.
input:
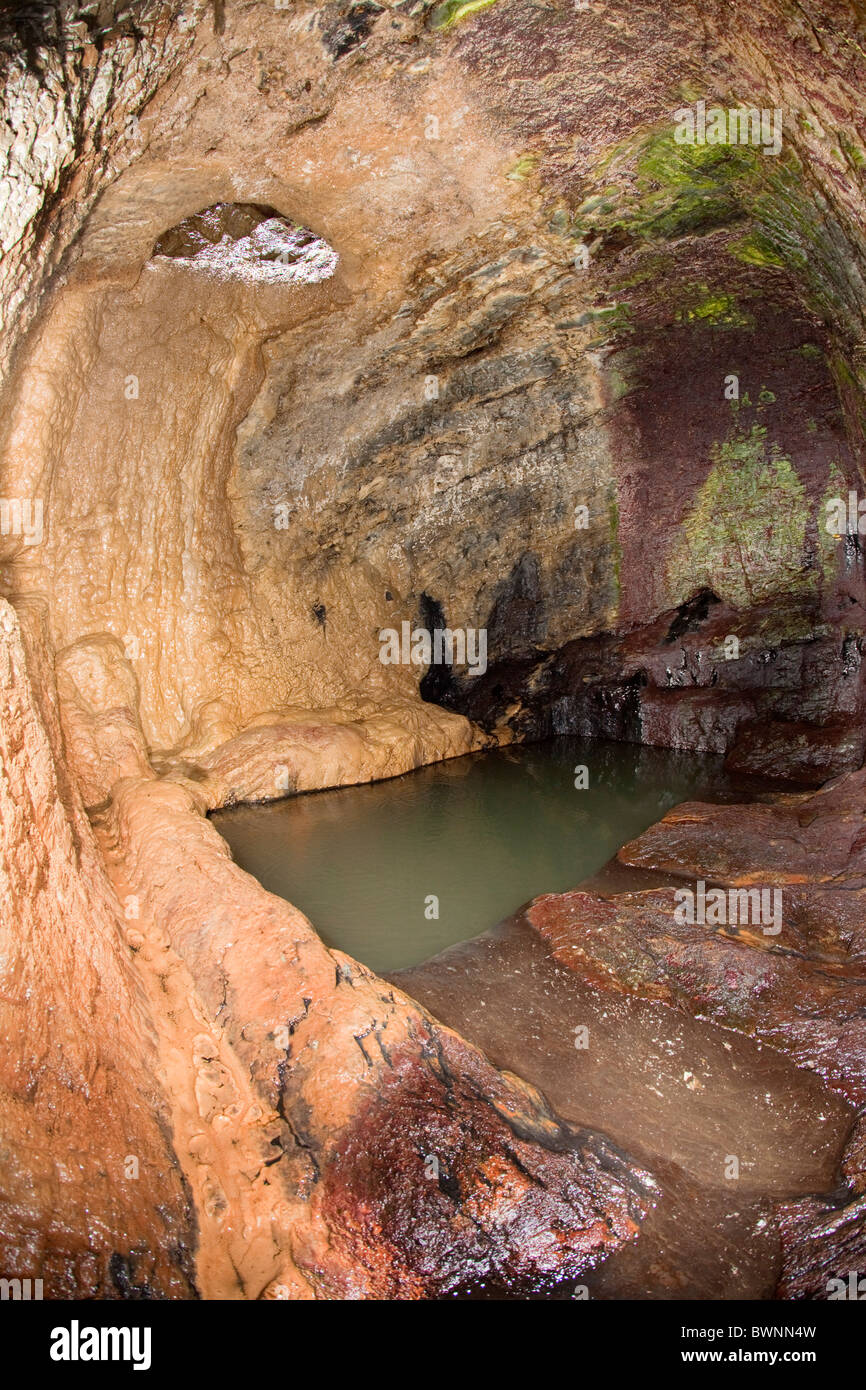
(322, 322)
(746, 536)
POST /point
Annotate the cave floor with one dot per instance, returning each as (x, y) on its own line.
(689, 1100)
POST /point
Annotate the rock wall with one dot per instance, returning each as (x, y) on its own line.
(288, 469)
(92, 1196)
(500, 405)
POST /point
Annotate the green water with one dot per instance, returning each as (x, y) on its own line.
(480, 835)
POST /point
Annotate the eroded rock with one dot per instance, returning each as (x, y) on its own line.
(801, 990)
(250, 466)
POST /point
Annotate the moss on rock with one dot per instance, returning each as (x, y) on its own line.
(745, 537)
(451, 12)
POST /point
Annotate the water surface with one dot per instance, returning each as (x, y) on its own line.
(471, 839)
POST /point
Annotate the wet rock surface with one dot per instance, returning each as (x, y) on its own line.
(725, 999)
(505, 1207)
(682, 1096)
(815, 839)
(796, 751)
(782, 695)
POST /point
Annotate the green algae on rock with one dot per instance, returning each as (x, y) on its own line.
(445, 16)
(745, 536)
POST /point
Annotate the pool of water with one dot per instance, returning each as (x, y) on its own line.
(394, 872)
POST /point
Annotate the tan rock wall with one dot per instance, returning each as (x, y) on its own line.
(91, 1193)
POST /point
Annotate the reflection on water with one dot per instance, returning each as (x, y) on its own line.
(480, 835)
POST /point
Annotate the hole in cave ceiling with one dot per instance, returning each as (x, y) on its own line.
(249, 241)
